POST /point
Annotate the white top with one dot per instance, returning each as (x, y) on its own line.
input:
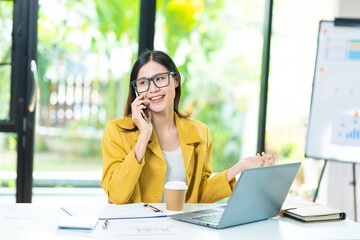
(175, 167)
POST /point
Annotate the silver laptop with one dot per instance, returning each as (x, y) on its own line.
(258, 195)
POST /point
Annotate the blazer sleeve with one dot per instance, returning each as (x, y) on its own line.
(213, 189)
(121, 170)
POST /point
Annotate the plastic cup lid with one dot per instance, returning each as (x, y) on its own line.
(176, 185)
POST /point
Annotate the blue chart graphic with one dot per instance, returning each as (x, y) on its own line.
(355, 134)
(354, 55)
(346, 131)
(354, 50)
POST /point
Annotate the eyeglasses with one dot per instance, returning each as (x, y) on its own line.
(160, 80)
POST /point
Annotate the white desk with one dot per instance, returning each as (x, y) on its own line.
(39, 222)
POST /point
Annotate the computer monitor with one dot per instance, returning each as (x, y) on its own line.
(334, 121)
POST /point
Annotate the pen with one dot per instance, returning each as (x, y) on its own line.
(105, 224)
(152, 207)
(66, 211)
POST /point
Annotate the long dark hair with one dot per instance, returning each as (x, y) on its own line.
(163, 59)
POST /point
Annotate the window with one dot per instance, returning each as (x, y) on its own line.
(84, 60)
(7, 167)
(293, 51)
(217, 46)
(6, 23)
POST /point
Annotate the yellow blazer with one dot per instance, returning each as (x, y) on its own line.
(126, 181)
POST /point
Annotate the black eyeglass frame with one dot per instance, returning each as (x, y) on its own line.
(133, 82)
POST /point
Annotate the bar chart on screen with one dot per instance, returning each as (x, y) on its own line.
(346, 130)
(341, 49)
(334, 128)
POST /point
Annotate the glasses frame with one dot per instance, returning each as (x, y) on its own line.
(151, 79)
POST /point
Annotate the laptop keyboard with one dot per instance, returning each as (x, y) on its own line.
(211, 218)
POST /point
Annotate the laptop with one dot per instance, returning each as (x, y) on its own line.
(258, 195)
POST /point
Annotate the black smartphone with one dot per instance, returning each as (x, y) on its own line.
(142, 111)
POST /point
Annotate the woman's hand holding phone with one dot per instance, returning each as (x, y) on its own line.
(140, 117)
(145, 127)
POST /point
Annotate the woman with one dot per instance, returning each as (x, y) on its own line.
(154, 143)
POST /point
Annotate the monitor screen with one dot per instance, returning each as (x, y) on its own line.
(334, 121)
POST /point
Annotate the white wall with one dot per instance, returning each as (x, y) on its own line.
(349, 8)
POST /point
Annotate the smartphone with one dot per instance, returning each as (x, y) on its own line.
(142, 111)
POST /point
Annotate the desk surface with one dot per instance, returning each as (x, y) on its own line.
(30, 221)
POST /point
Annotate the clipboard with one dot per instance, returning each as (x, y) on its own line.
(113, 212)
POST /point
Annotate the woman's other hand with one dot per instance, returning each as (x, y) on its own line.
(251, 162)
(266, 160)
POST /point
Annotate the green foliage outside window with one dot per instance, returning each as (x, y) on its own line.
(219, 82)
(68, 38)
(6, 9)
(220, 75)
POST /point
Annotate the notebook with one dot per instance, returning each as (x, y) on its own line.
(258, 195)
(311, 212)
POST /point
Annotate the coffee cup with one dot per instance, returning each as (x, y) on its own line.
(175, 192)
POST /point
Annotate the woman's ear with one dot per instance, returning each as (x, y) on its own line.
(177, 81)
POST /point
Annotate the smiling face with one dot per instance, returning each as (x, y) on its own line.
(161, 99)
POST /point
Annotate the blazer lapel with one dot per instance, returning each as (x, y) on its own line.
(154, 145)
(188, 137)
(187, 152)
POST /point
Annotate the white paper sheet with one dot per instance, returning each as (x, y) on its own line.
(29, 212)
